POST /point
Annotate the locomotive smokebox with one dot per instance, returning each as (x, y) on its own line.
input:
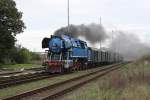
(55, 44)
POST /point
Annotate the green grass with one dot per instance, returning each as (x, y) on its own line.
(132, 82)
(34, 85)
(11, 91)
(18, 66)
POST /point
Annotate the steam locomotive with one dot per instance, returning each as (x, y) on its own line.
(66, 54)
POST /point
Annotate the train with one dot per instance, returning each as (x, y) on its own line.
(65, 54)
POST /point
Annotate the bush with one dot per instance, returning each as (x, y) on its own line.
(19, 54)
(35, 56)
(24, 56)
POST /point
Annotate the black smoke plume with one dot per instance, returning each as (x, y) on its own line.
(93, 33)
(129, 45)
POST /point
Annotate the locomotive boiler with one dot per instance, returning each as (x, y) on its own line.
(66, 54)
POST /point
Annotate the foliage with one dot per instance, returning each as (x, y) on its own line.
(35, 56)
(23, 56)
(10, 25)
(20, 55)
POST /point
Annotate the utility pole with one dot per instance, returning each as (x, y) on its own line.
(100, 26)
(68, 8)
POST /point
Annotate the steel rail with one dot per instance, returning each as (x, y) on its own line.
(58, 89)
(25, 79)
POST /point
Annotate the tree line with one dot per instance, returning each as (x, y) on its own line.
(11, 24)
(20, 54)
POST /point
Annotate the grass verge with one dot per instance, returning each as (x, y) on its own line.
(132, 82)
(11, 91)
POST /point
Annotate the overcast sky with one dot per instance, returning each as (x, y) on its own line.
(43, 17)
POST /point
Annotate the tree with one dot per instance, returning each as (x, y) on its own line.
(24, 56)
(35, 56)
(10, 25)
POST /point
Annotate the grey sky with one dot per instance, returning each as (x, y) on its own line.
(43, 17)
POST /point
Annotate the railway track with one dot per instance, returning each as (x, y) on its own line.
(52, 91)
(24, 79)
(11, 72)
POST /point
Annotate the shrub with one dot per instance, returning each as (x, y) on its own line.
(35, 56)
(23, 56)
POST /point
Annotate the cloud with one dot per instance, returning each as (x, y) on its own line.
(42, 15)
(32, 39)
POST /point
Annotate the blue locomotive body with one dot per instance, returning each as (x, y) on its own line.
(55, 45)
(66, 53)
(79, 49)
(76, 47)
(79, 52)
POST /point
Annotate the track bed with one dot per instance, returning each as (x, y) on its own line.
(60, 88)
